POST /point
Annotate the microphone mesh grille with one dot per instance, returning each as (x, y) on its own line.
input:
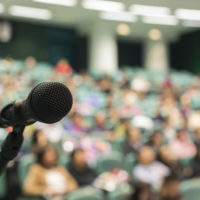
(50, 101)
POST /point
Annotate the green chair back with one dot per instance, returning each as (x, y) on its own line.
(121, 193)
(129, 163)
(87, 193)
(24, 165)
(190, 189)
(109, 162)
(2, 185)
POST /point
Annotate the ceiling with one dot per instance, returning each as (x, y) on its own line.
(84, 20)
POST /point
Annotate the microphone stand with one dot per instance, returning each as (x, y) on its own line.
(11, 146)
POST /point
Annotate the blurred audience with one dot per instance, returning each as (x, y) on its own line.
(110, 113)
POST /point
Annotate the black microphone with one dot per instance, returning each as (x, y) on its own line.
(48, 102)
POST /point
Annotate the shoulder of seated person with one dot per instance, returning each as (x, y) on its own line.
(37, 166)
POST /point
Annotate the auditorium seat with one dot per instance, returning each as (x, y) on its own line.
(129, 163)
(121, 193)
(2, 185)
(109, 162)
(87, 193)
(24, 164)
(191, 189)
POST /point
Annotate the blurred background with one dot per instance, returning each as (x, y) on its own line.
(133, 68)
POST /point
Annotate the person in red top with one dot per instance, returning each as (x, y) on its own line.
(63, 67)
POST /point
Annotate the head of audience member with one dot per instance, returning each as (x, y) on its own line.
(48, 157)
(30, 62)
(78, 160)
(142, 191)
(100, 119)
(170, 189)
(105, 84)
(182, 135)
(39, 140)
(133, 134)
(146, 155)
(77, 119)
(156, 139)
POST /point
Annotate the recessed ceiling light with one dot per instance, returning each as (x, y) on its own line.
(103, 5)
(1, 7)
(146, 10)
(164, 20)
(123, 29)
(188, 14)
(191, 23)
(30, 12)
(155, 34)
(58, 2)
(118, 16)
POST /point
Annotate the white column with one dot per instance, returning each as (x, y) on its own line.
(156, 55)
(102, 50)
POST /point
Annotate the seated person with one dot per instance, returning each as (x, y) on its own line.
(156, 141)
(79, 169)
(47, 178)
(39, 141)
(133, 141)
(170, 189)
(149, 170)
(181, 146)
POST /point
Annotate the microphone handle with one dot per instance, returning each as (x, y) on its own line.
(15, 113)
(11, 146)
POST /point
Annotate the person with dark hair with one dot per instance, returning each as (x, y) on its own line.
(47, 178)
(156, 141)
(170, 189)
(39, 141)
(133, 141)
(142, 191)
(79, 169)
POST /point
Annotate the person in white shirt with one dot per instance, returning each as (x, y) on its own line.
(148, 170)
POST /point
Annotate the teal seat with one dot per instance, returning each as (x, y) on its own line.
(64, 160)
(186, 162)
(190, 189)
(2, 185)
(117, 145)
(87, 193)
(195, 103)
(24, 165)
(129, 163)
(122, 192)
(109, 162)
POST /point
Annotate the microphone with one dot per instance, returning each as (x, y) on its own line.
(48, 102)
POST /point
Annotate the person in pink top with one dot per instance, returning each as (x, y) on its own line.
(182, 147)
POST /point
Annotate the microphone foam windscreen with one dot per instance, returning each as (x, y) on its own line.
(50, 101)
